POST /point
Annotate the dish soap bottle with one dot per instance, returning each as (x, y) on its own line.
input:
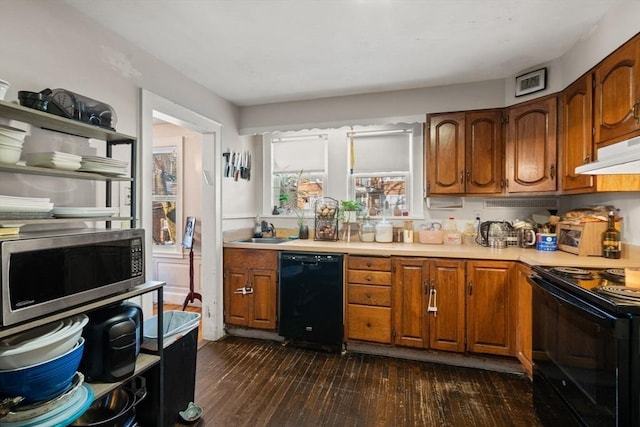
(611, 244)
(451, 233)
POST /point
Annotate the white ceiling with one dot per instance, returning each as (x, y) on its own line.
(263, 51)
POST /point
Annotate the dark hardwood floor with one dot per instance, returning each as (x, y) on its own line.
(249, 382)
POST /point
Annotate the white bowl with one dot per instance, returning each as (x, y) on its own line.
(13, 142)
(10, 155)
(27, 348)
(12, 132)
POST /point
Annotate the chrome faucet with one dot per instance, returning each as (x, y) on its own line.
(267, 227)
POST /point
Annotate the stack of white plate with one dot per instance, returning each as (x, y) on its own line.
(16, 204)
(103, 165)
(11, 140)
(54, 160)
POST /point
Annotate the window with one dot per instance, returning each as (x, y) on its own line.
(380, 166)
(298, 169)
(381, 170)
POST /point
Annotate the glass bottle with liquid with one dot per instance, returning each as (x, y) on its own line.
(611, 242)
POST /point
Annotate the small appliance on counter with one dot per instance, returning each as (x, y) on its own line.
(492, 232)
(113, 337)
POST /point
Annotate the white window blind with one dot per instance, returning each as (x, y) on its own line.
(381, 152)
(293, 154)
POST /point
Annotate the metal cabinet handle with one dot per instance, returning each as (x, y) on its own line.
(587, 159)
(244, 291)
(552, 171)
(636, 111)
(462, 176)
(470, 285)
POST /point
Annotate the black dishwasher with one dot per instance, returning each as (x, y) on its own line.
(310, 299)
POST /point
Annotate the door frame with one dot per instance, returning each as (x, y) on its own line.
(153, 106)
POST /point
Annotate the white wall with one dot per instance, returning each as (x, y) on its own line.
(45, 44)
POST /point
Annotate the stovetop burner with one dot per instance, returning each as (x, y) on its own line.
(572, 272)
(614, 274)
(603, 287)
(622, 292)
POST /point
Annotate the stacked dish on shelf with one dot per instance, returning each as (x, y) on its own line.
(104, 166)
(83, 212)
(54, 160)
(11, 140)
(14, 207)
(38, 369)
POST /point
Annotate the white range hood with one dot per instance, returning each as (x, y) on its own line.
(619, 158)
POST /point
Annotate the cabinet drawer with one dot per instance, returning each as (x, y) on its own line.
(369, 295)
(250, 258)
(369, 263)
(369, 277)
(369, 323)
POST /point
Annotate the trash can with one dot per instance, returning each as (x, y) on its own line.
(180, 344)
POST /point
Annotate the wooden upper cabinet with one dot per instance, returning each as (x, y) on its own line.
(577, 140)
(531, 146)
(484, 152)
(617, 94)
(446, 153)
(464, 153)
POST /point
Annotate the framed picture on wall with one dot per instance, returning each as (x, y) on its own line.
(531, 82)
(189, 228)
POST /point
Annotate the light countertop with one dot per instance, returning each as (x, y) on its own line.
(631, 254)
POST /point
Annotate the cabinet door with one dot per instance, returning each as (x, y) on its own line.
(236, 305)
(491, 308)
(484, 153)
(617, 94)
(524, 331)
(409, 302)
(447, 325)
(531, 147)
(262, 303)
(445, 153)
(577, 140)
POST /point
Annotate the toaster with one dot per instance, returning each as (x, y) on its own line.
(112, 342)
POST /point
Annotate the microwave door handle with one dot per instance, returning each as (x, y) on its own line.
(574, 304)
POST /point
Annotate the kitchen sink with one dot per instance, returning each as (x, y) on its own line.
(265, 240)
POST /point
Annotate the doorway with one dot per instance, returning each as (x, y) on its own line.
(153, 109)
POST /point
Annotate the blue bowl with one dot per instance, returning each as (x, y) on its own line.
(42, 381)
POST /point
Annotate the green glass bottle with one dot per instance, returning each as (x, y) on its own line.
(611, 243)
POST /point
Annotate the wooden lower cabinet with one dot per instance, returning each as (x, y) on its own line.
(421, 285)
(524, 327)
(368, 314)
(255, 272)
(491, 307)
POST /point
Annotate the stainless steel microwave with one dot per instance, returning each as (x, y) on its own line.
(44, 273)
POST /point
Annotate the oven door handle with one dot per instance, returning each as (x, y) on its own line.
(565, 298)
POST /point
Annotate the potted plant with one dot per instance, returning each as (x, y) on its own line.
(349, 210)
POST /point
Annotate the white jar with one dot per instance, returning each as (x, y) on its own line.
(384, 231)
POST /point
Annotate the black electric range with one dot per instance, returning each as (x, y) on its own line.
(602, 287)
(586, 347)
